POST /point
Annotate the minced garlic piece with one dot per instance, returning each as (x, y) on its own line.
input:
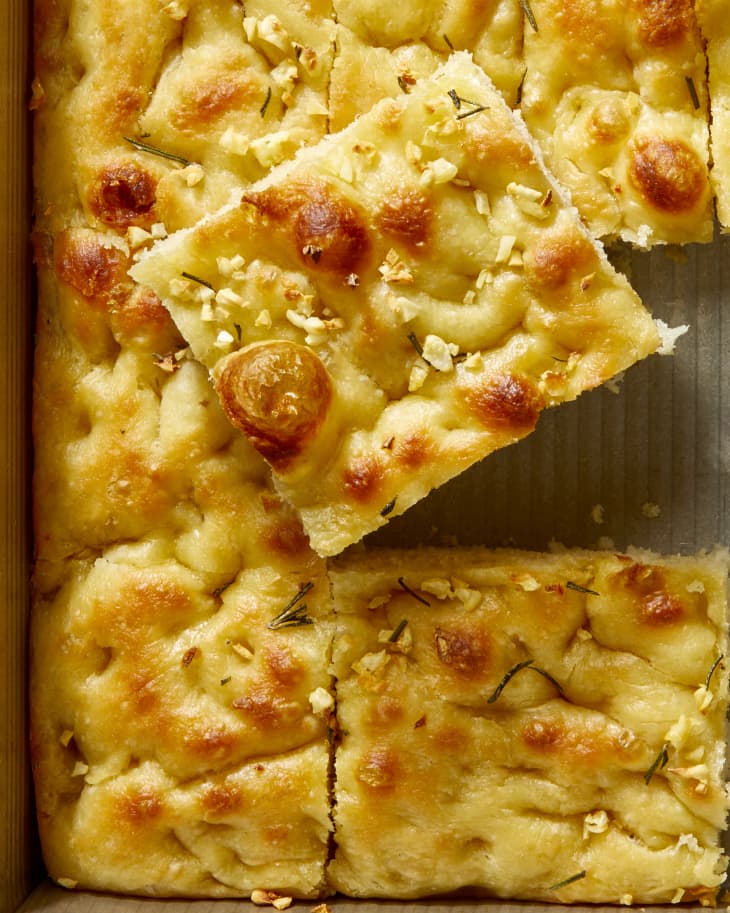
(271, 149)
(393, 269)
(233, 141)
(438, 171)
(438, 353)
(320, 700)
(137, 236)
(224, 339)
(504, 251)
(263, 319)
(226, 296)
(703, 698)
(271, 898)
(371, 663)
(242, 650)
(481, 201)
(526, 582)
(404, 308)
(595, 823)
(227, 266)
(80, 769)
(66, 737)
(69, 883)
(439, 587)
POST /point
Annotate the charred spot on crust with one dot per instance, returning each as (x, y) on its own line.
(647, 585)
(407, 215)
(558, 257)
(123, 195)
(362, 478)
(465, 650)
(209, 101)
(278, 394)
(379, 770)
(667, 173)
(87, 265)
(140, 806)
(505, 402)
(664, 22)
(328, 231)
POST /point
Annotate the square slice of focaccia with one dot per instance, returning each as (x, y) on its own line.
(180, 732)
(540, 727)
(397, 302)
(616, 95)
(715, 24)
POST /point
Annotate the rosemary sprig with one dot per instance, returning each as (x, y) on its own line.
(389, 507)
(414, 341)
(267, 100)
(661, 760)
(403, 585)
(529, 15)
(397, 631)
(580, 589)
(712, 670)
(692, 92)
(193, 278)
(154, 150)
(566, 881)
(448, 43)
(293, 615)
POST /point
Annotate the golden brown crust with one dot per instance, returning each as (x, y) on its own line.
(489, 701)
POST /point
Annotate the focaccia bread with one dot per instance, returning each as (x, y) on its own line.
(545, 727)
(180, 731)
(715, 25)
(397, 302)
(615, 94)
(171, 728)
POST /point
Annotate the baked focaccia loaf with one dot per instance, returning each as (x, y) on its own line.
(397, 302)
(545, 727)
(615, 94)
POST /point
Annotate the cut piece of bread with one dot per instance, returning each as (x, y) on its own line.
(541, 727)
(180, 730)
(616, 95)
(397, 302)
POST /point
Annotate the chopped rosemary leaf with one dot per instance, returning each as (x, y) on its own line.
(403, 83)
(388, 509)
(661, 760)
(581, 589)
(153, 150)
(520, 87)
(458, 101)
(413, 339)
(402, 583)
(448, 43)
(265, 105)
(566, 881)
(293, 615)
(712, 670)
(194, 278)
(507, 677)
(692, 92)
(396, 633)
(529, 15)
(224, 681)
